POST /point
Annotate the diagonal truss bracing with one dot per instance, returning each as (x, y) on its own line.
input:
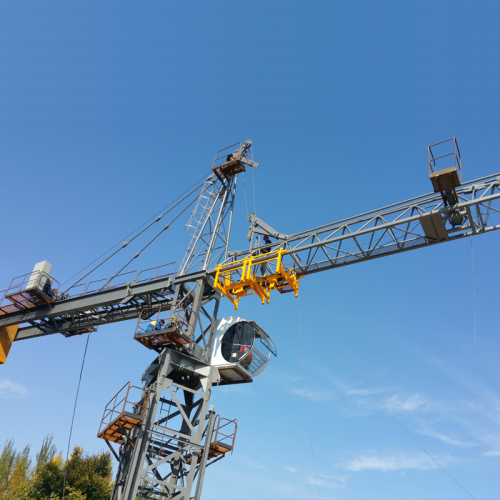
(404, 226)
(210, 226)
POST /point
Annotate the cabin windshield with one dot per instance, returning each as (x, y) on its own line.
(237, 341)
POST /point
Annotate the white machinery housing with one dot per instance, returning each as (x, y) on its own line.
(241, 350)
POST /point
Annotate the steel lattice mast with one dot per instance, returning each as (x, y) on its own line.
(167, 454)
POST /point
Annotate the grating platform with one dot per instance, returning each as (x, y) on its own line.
(120, 427)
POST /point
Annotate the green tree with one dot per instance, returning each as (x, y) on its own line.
(88, 476)
(15, 470)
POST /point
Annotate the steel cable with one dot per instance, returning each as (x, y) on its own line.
(305, 400)
(73, 419)
(149, 243)
(245, 192)
(473, 290)
(198, 183)
(253, 182)
(158, 218)
(383, 405)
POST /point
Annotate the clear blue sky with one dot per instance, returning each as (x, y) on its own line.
(109, 110)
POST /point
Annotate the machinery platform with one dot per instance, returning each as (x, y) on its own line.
(116, 430)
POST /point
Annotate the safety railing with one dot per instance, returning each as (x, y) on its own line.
(34, 279)
(103, 284)
(440, 153)
(129, 399)
(224, 434)
(158, 272)
(163, 324)
(223, 155)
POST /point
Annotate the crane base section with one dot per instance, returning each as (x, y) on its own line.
(241, 278)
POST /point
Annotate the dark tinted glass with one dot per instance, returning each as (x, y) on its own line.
(237, 341)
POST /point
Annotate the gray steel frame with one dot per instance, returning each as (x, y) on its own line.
(167, 454)
(415, 223)
(169, 451)
(210, 240)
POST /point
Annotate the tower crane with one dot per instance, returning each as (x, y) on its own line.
(166, 430)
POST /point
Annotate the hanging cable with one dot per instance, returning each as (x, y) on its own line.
(473, 289)
(158, 218)
(305, 401)
(73, 419)
(245, 191)
(383, 405)
(151, 241)
(253, 181)
(198, 183)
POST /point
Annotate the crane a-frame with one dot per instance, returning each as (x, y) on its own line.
(167, 432)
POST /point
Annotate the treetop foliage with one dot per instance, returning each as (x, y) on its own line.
(87, 476)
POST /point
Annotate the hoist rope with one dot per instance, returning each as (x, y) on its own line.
(158, 218)
(198, 183)
(74, 411)
(151, 241)
(253, 182)
(380, 401)
(473, 289)
(305, 400)
(245, 191)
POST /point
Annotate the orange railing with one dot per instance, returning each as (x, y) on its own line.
(161, 318)
(225, 433)
(122, 403)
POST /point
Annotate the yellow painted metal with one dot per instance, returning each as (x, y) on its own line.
(239, 279)
(7, 336)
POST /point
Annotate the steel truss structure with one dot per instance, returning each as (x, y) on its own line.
(166, 454)
(210, 225)
(411, 224)
(415, 223)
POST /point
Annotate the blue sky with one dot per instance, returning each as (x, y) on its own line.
(109, 110)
